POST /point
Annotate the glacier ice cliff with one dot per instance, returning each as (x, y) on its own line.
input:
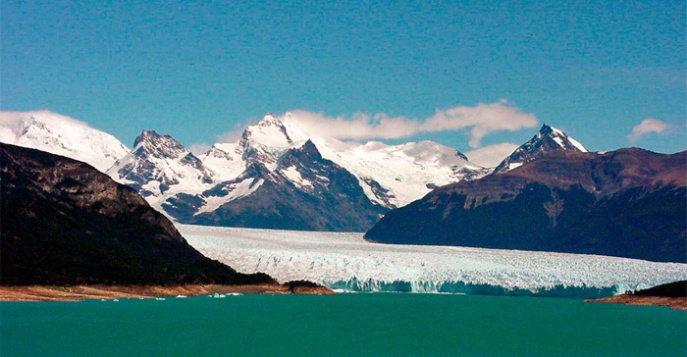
(346, 262)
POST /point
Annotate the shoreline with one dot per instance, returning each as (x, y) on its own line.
(97, 292)
(38, 293)
(676, 303)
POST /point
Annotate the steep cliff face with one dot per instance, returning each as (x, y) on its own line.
(63, 222)
(629, 203)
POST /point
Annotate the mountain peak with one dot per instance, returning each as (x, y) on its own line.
(311, 149)
(149, 142)
(159, 162)
(562, 139)
(546, 129)
(148, 136)
(282, 121)
(275, 132)
(270, 120)
(61, 135)
(548, 139)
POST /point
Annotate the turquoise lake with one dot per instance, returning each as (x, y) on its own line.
(341, 325)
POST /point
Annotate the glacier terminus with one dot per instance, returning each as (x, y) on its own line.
(346, 262)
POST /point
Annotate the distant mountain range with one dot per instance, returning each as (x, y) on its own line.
(65, 223)
(276, 176)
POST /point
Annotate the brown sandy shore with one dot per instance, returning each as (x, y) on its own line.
(678, 303)
(84, 292)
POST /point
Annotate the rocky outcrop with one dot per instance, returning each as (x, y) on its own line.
(628, 203)
(676, 289)
(673, 295)
(65, 223)
(304, 287)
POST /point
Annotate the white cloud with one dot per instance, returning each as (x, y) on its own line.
(647, 126)
(199, 148)
(480, 120)
(230, 136)
(226, 137)
(357, 127)
(492, 155)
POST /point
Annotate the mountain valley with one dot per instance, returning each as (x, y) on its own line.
(550, 194)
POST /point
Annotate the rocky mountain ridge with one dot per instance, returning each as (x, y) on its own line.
(243, 183)
(629, 203)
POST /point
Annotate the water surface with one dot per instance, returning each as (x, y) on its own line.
(342, 325)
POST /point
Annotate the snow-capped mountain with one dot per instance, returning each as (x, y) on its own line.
(301, 190)
(395, 175)
(276, 175)
(548, 139)
(61, 135)
(158, 164)
(390, 175)
(279, 176)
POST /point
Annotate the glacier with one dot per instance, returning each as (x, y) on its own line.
(346, 262)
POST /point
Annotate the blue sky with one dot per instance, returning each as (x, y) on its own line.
(197, 70)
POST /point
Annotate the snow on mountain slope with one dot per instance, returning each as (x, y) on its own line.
(345, 260)
(159, 164)
(265, 142)
(262, 143)
(225, 161)
(395, 175)
(302, 191)
(390, 175)
(275, 132)
(546, 140)
(174, 180)
(61, 135)
(276, 158)
(235, 189)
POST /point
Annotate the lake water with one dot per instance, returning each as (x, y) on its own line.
(341, 325)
